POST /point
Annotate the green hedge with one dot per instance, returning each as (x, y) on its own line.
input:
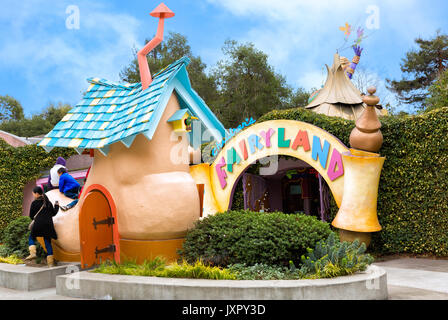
(253, 237)
(413, 191)
(18, 166)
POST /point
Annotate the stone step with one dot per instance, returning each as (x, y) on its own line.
(21, 277)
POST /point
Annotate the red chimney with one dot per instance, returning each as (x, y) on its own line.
(162, 12)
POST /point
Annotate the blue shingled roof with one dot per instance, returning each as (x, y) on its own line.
(111, 112)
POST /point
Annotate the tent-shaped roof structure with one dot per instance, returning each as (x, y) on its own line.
(110, 112)
(339, 97)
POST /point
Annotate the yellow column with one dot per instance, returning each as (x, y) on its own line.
(357, 216)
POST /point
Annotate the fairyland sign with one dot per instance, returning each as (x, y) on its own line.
(301, 140)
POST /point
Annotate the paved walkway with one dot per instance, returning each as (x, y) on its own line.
(43, 294)
(407, 279)
(416, 278)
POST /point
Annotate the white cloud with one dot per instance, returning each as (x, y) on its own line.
(312, 79)
(48, 55)
(301, 36)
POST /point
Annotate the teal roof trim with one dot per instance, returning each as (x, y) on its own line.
(111, 112)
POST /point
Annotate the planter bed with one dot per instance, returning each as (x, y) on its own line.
(368, 285)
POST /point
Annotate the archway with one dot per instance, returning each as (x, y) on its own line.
(98, 229)
(297, 139)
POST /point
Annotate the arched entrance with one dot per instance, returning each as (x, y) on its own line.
(301, 140)
(98, 231)
(294, 187)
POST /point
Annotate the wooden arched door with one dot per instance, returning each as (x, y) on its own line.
(98, 230)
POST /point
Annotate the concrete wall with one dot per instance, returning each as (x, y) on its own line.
(368, 285)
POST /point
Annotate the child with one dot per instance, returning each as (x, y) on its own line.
(69, 187)
(53, 177)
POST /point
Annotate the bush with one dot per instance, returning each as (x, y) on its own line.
(159, 268)
(3, 251)
(12, 259)
(438, 93)
(412, 197)
(15, 239)
(331, 258)
(252, 237)
(262, 272)
(19, 166)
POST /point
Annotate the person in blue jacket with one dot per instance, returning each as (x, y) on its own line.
(69, 187)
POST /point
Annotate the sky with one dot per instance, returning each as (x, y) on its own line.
(49, 48)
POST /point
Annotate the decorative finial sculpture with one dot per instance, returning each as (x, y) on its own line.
(357, 216)
(367, 135)
(162, 12)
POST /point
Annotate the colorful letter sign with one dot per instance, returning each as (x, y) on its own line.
(301, 140)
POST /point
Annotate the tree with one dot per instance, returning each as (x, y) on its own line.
(421, 68)
(438, 93)
(10, 109)
(54, 113)
(247, 84)
(299, 98)
(363, 78)
(174, 47)
(27, 127)
(38, 124)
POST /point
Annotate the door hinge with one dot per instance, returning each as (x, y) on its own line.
(109, 221)
(110, 248)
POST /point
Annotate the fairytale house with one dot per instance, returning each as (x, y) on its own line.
(139, 198)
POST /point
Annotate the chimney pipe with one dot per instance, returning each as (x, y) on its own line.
(162, 12)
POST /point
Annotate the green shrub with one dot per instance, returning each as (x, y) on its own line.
(12, 259)
(16, 237)
(252, 237)
(3, 251)
(159, 268)
(331, 258)
(130, 267)
(412, 198)
(198, 270)
(19, 166)
(262, 272)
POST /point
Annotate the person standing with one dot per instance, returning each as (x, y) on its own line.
(69, 187)
(42, 212)
(53, 177)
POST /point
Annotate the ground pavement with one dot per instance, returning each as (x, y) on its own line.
(407, 279)
(416, 278)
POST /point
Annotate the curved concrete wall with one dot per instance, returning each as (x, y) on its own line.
(368, 285)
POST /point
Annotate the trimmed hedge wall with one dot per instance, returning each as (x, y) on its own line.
(18, 166)
(413, 191)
